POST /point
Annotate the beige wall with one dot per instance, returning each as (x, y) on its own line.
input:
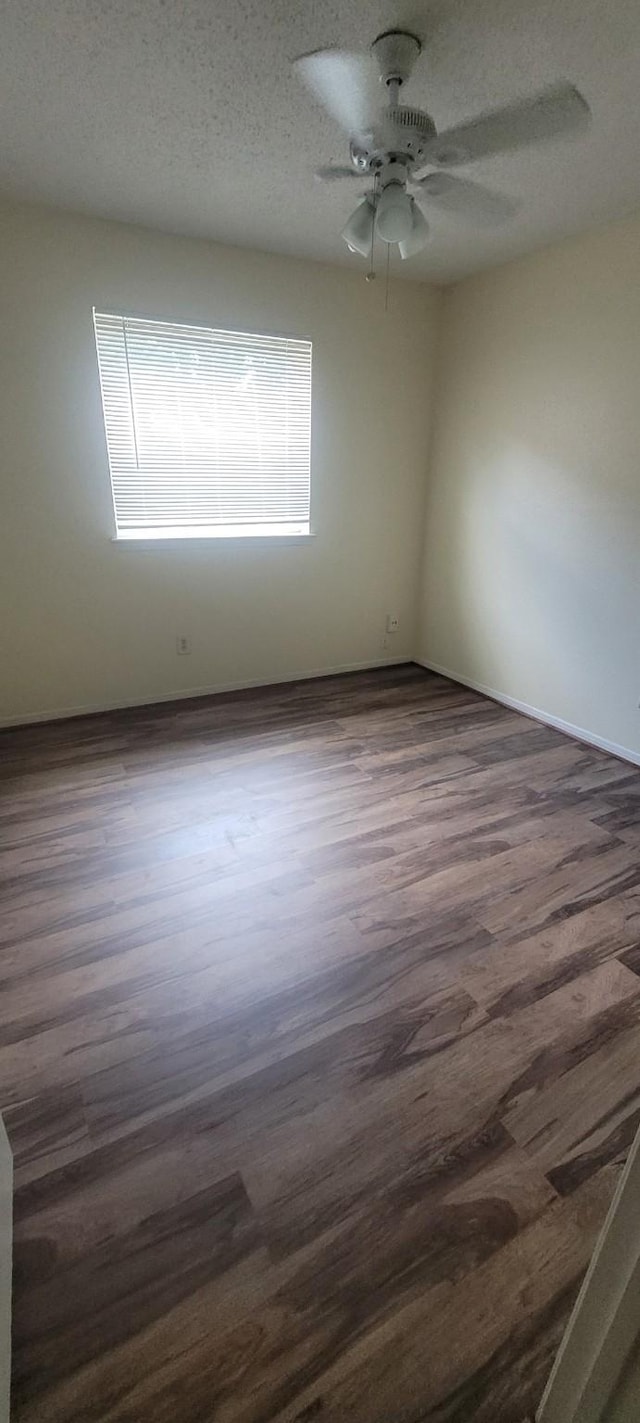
(595, 1375)
(531, 579)
(6, 1235)
(86, 622)
(530, 574)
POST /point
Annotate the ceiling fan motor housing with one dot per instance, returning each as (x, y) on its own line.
(401, 133)
(407, 130)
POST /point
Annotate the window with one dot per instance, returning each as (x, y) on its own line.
(208, 432)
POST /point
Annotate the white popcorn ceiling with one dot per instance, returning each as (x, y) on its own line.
(186, 116)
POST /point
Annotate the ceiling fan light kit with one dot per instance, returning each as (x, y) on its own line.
(391, 144)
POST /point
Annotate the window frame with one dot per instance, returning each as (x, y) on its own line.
(171, 538)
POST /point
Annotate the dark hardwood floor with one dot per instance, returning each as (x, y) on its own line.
(319, 1052)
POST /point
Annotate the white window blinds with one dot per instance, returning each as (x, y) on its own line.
(208, 432)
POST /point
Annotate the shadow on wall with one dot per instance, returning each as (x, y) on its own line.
(524, 541)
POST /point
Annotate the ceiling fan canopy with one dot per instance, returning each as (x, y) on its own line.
(390, 144)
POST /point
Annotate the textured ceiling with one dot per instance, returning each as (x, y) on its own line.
(187, 116)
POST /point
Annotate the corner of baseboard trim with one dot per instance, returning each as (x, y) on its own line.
(579, 733)
(95, 708)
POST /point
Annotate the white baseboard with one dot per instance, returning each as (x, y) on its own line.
(590, 737)
(90, 708)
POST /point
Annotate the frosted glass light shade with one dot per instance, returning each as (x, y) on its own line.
(358, 231)
(393, 214)
(419, 235)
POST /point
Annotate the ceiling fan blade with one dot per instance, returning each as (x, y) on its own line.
(346, 85)
(547, 115)
(332, 172)
(461, 197)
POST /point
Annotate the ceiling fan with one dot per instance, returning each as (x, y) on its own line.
(391, 144)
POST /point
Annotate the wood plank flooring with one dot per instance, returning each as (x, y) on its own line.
(319, 1052)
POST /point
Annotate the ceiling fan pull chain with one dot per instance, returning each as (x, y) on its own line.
(371, 276)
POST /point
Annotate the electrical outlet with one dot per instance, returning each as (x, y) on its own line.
(183, 645)
(393, 623)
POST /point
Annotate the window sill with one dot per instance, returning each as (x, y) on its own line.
(152, 538)
(175, 540)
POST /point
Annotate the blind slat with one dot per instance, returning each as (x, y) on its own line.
(206, 430)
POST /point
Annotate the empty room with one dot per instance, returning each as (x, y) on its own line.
(319, 712)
